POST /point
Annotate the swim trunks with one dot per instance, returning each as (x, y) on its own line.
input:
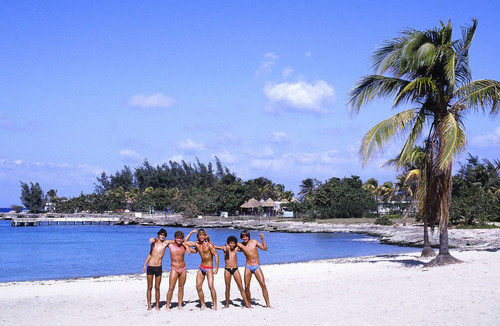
(252, 268)
(204, 269)
(178, 270)
(154, 270)
(232, 270)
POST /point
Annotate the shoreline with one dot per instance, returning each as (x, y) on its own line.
(374, 290)
(408, 236)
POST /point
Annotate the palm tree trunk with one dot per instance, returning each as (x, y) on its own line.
(443, 199)
(427, 251)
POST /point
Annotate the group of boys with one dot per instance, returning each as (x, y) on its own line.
(207, 250)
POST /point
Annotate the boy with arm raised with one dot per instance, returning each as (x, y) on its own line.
(252, 267)
(207, 253)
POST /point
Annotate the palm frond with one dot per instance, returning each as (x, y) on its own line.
(409, 153)
(453, 139)
(479, 94)
(416, 89)
(376, 138)
(371, 87)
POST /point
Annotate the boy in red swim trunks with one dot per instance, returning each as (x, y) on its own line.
(207, 253)
(231, 269)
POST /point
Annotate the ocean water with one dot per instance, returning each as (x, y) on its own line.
(59, 252)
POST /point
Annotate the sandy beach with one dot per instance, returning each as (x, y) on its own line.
(381, 290)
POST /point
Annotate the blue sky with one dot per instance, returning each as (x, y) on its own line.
(91, 86)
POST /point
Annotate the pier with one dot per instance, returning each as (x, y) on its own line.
(34, 221)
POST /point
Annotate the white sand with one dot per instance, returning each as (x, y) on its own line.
(366, 291)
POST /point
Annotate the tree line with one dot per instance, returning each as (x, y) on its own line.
(199, 189)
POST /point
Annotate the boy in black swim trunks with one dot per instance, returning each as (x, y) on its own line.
(154, 267)
(231, 269)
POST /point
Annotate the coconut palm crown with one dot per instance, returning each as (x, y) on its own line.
(429, 72)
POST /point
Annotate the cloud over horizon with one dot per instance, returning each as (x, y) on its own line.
(191, 146)
(157, 100)
(300, 97)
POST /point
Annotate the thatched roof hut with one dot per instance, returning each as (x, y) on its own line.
(268, 203)
(252, 203)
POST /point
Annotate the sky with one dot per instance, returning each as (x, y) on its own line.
(91, 86)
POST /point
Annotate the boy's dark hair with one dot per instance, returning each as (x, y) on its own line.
(163, 231)
(244, 233)
(232, 238)
(179, 234)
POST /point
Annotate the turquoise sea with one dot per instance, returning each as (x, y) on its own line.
(59, 252)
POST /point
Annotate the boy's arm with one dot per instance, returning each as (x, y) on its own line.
(189, 234)
(223, 248)
(214, 252)
(262, 246)
(188, 248)
(145, 264)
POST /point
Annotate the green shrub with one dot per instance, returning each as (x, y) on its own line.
(383, 220)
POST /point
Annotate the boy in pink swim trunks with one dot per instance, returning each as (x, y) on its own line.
(178, 270)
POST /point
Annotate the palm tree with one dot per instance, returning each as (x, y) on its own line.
(418, 171)
(430, 71)
(371, 185)
(307, 188)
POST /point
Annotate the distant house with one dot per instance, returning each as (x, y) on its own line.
(265, 208)
(49, 207)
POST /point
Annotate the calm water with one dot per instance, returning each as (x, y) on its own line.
(55, 252)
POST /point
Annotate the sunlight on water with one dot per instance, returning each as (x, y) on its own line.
(54, 252)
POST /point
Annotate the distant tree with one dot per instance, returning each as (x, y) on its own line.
(342, 198)
(476, 192)
(308, 187)
(371, 185)
(51, 194)
(16, 208)
(32, 197)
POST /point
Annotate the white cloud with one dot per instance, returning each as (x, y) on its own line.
(157, 100)
(190, 145)
(130, 153)
(279, 137)
(225, 157)
(300, 97)
(176, 158)
(287, 71)
(308, 54)
(18, 162)
(270, 59)
(488, 140)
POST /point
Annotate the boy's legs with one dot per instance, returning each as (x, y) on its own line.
(260, 277)
(227, 279)
(171, 286)
(157, 291)
(199, 283)
(149, 289)
(210, 279)
(237, 279)
(180, 289)
(248, 278)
